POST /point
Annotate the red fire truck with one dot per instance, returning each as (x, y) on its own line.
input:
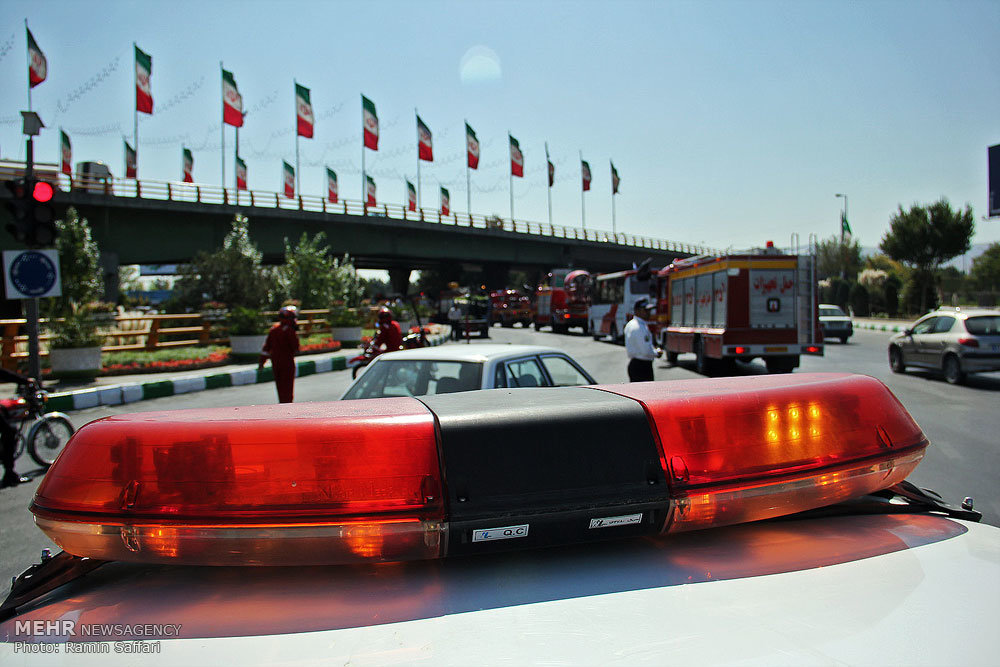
(509, 306)
(563, 300)
(739, 306)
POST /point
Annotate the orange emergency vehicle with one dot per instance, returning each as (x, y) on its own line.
(563, 300)
(739, 306)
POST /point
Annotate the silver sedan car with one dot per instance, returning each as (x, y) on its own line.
(453, 368)
(954, 341)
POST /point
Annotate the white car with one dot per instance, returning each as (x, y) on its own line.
(453, 368)
(755, 521)
(835, 322)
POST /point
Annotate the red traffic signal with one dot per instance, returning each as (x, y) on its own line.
(42, 192)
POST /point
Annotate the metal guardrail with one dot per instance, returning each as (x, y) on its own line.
(212, 194)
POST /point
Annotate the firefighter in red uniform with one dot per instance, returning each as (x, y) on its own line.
(281, 346)
(389, 334)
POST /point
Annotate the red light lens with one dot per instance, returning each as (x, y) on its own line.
(164, 482)
(968, 342)
(812, 349)
(739, 350)
(42, 192)
(733, 447)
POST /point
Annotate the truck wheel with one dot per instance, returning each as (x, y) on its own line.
(702, 363)
(778, 365)
(672, 358)
(843, 340)
(614, 334)
(594, 332)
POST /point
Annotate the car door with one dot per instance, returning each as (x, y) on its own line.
(934, 342)
(914, 348)
(563, 372)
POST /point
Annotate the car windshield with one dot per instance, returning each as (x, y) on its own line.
(831, 311)
(985, 325)
(389, 377)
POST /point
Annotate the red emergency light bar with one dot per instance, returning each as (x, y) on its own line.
(401, 478)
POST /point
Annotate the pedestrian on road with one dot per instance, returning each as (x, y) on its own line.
(455, 319)
(639, 344)
(281, 346)
(8, 435)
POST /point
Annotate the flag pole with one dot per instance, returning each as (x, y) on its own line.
(27, 53)
(364, 184)
(295, 100)
(614, 225)
(236, 167)
(548, 188)
(468, 178)
(222, 87)
(510, 168)
(135, 118)
(583, 199)
(416, 116)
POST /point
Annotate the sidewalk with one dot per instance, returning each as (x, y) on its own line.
(119, 389)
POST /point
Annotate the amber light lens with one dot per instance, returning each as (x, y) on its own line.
(170, 483)
(742, 449)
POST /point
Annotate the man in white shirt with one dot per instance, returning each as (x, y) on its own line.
(639, 344)
(455, 319)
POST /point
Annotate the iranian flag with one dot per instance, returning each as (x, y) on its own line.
(241, 174)
(585, 173)
(370, 121)
(232, 101)
(331, 185)
(38, 66)
(130, 167)
(516, 158)
(615, 180)
(411, 196)
(289, 173)
(143, 89)
(370, 183)
(473, 147)
(445, 202)
(67, 154)
(425, 147)
(304, 111)
(188, 166)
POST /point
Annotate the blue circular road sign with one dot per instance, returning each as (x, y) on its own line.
(32, 273)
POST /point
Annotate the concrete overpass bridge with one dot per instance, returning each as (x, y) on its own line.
(155, 222)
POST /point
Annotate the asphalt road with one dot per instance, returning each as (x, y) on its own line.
(961, 422)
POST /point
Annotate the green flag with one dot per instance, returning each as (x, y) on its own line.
(844, 227)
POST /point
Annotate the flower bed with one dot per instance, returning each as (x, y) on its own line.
(164, 360)
(315, 347)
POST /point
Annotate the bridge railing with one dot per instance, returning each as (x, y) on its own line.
(212, 194)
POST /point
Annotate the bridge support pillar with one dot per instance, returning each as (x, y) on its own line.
(399, 279)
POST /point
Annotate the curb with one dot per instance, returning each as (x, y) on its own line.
(880, 327)
(132, 393)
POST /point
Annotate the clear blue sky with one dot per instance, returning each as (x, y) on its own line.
(730, 123)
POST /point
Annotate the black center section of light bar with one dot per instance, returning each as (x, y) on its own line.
(558, 460)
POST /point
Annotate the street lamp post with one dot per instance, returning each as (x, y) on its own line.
(843, 253)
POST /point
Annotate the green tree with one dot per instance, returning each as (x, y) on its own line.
(308, 274)
(838, 258)
(79, 266)
(233, 274)
(985, 272)
(923, 238)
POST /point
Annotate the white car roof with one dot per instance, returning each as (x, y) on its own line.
(479, 352)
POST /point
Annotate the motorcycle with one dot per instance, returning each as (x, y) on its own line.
(47, 432)
(413, 339)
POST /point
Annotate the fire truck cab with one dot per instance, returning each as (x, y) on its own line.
(509, 307)
(729, 307)
(563, 300)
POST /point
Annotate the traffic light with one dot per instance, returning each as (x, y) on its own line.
(33, 215)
